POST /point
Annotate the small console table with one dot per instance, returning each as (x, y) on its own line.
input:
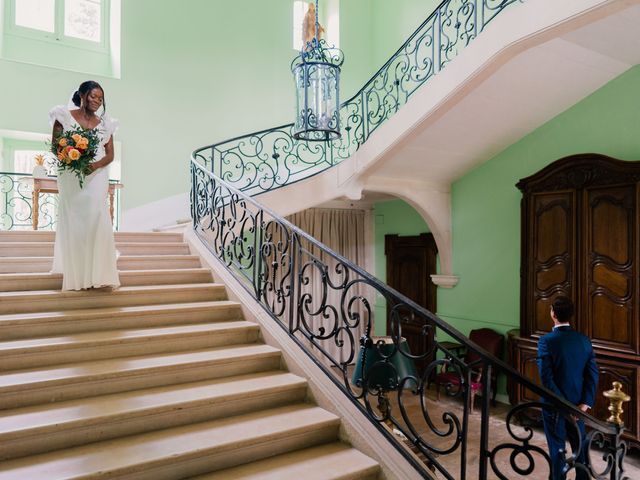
(50, 185)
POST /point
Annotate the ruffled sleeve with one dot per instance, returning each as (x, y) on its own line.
(59, 113)
(110, 126)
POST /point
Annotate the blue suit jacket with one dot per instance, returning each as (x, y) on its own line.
(567, 365)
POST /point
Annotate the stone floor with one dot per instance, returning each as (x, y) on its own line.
(498, 435)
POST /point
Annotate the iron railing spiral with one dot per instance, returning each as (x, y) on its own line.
(324, 303)
(268, 159)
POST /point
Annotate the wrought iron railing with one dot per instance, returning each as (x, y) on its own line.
(271, 158)
(324, 303)
(16, 204)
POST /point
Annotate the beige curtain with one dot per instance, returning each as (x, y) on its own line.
(343, 231)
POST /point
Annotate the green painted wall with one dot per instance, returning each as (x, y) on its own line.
(372, 30)
(391, 217)
(393, 22)
(486, 206)
(486, 203)
(199, 71)
(193, 72)
(355, 31)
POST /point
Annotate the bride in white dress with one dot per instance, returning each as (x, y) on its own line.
(85, 251)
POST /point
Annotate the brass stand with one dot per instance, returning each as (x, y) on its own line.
(616, 398)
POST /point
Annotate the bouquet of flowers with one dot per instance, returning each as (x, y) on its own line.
(75, 150)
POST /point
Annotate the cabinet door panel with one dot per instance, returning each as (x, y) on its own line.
(611, 317)
(529, 368)
(551, 255)
(610, 372)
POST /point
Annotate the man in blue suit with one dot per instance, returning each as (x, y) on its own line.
(568, 368)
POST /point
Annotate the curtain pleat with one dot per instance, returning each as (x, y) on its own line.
(343, 231)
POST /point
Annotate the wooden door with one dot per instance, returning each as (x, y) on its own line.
(410, 263)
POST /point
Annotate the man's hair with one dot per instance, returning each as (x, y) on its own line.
(562, 308)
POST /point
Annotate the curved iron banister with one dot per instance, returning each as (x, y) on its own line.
(324, 303)
(268, 159)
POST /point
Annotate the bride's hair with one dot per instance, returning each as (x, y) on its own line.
(83, 89)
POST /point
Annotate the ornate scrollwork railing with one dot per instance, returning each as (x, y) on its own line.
(268, 159)
(324, 303)
(16, 204)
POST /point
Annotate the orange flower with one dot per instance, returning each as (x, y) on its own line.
(62, 142)
(61, 156)
(76, 137)
(83, 144)
(74, 154)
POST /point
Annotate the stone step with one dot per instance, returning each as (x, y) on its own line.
(55, 300)
(45, 249)
(41, 428)
(333, 461)
(185, 451)
(42, 324)
(16, 282)
(48, 351)
(21, 388)
(129, 262)
(49, 236)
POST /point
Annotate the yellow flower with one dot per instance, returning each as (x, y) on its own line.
(62, 142)
(76, 137)
(67, 160)
(74, 154)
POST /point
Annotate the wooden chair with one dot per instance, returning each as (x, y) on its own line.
(493, 343)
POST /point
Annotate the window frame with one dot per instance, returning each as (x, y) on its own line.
(57, 37)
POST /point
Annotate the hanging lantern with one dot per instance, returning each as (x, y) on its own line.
(316, 72)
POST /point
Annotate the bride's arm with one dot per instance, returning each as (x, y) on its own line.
(55, 133)
(108, 156)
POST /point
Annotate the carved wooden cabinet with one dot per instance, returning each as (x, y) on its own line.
(580, 238)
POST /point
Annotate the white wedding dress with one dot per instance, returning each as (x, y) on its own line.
(85, 252)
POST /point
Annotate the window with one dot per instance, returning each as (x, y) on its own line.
(75, 22)
(17, 159)
(299, 11)
(18, 154)
(78, 35)
(82, 19)
(36, 14)
(24, 160)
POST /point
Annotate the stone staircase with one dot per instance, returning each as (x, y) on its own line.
(160, 379)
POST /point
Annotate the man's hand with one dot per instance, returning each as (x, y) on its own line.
(584, 407)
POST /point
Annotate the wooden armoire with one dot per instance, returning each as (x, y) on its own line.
(581, 238)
